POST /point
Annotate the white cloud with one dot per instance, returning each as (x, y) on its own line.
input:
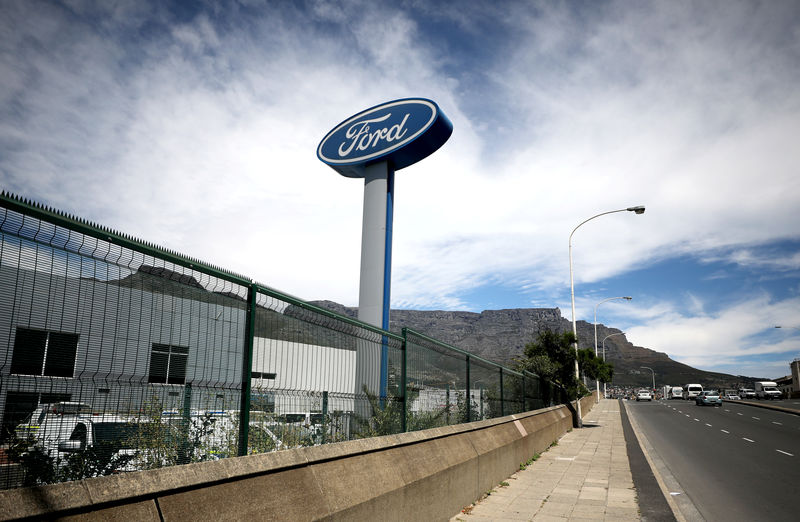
(735, 333)
(203, 139)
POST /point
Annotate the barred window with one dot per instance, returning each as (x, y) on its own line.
(39, 352)
(168, 364)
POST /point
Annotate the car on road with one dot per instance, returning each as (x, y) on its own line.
(644, 396)
(747, 393)
(708, 398)
(732, 397)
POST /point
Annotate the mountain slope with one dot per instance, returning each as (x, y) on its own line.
(501, 335)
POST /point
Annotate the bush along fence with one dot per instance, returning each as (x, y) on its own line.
(117, 355)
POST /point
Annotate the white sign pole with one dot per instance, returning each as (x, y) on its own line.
(373, 296)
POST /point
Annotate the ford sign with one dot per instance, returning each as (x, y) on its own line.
(400, 132)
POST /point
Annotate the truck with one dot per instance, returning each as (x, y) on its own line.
(767, 390)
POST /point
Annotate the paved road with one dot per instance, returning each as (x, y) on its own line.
(736, 462)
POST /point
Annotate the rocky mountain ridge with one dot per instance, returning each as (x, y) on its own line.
(501, 335)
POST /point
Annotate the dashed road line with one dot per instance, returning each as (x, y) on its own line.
(709, 425)
(748, 440)
(784, 452)
(778, 423)
(725, 431)
(756, 418)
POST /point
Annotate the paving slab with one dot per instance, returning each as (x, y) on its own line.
(586, 475)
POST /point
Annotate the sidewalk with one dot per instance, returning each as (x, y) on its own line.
(586, 476)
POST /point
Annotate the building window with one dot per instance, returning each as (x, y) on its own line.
(168, 364)
(39, 352)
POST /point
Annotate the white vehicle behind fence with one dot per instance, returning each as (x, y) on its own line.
(690, 391)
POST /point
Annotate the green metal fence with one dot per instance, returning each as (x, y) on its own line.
(117, 355)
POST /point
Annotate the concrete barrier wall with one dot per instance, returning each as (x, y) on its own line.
(425, 475)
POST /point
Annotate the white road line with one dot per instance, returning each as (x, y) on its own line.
(748, 440)
(778, 423)
(697, 420)
(738, 414)
(688, 415)
(779, 451)
(707, 424)
(724, 431)
(756, 418)
(727, 410)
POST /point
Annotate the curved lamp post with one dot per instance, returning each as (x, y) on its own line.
(638, 210)
(794, 327)
(654, 377)
(627, 298)
(604, 354)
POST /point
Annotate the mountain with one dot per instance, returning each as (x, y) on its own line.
(501, 335)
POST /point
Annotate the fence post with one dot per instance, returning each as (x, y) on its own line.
(524, 397)
(324, 417)
(403, 376)
(502, 404)
(247, 368)
(469, 395)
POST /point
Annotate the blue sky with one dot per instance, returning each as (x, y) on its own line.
(195, 125)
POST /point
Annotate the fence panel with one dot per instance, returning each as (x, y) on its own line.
(117, 355)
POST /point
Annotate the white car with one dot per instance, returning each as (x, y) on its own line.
(644, 396)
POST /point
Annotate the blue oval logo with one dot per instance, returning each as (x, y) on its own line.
(401, 132)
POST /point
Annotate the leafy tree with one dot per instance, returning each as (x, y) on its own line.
(594, 367)
(552, 357)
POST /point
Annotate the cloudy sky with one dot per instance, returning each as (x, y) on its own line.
(196, 128)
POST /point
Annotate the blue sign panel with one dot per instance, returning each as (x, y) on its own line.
(400, 132)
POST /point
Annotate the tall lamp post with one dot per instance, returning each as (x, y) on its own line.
(794, 327)
(627, 298)
(654, 376)
(638, 210)
(604, 354)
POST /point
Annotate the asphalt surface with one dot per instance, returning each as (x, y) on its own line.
(736, 462)
(652, 503)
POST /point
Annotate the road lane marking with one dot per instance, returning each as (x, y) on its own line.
(697, 420)
(707, 424)
(748, 440)
(756, 418)
(778, 423)
(688, 415)
(738, 414)
(779, 451)
(725, 431)
(727, 410)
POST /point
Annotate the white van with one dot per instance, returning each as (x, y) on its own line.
(690, 391)
(675, 392)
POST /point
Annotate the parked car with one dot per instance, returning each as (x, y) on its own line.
(644, 396)
(732, 397)
(708, 398)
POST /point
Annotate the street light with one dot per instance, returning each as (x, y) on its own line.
(795, 327)
(654, 377)
(638, 210)
(604, 355)
(627, 298)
